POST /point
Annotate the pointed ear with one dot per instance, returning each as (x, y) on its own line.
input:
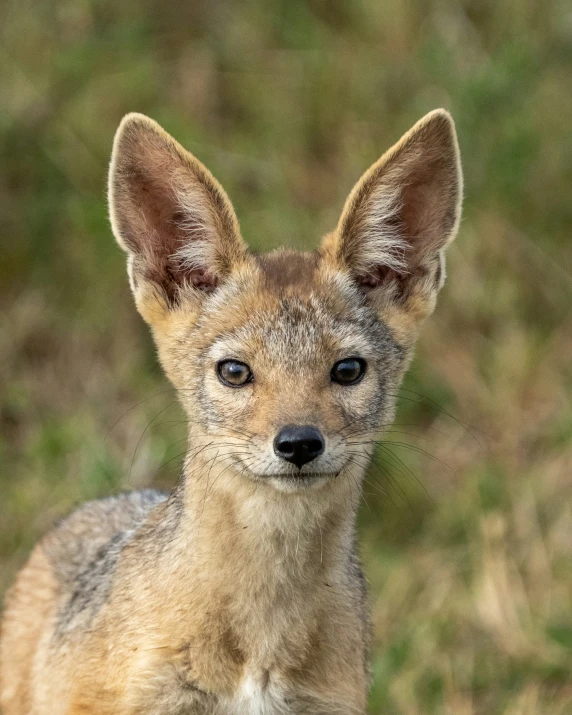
(169, 214)
(400, 216)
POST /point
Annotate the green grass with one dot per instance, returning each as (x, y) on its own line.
(469, 553)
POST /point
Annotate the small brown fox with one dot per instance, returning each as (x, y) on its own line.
(240, 592)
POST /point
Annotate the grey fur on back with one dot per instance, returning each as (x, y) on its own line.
(84, 549)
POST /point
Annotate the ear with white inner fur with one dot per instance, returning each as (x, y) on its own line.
(169, 213)
(401, 215)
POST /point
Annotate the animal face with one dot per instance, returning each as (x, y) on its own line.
(298, 374)
(287, 363)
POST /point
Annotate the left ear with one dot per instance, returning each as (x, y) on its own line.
(171, 216)
(400, 216)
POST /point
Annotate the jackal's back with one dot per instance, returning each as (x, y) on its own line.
(59, 591)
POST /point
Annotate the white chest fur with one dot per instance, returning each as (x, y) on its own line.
(258, 695)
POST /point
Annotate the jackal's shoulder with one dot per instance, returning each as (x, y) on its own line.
(84, 548)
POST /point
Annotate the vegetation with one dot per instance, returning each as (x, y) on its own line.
(467, 520)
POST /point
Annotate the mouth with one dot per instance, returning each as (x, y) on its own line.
(291, 478)
(293, 482)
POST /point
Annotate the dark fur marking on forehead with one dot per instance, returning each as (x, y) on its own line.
(284, 269)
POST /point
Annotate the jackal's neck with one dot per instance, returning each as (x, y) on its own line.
(250, 576)
(248, 540)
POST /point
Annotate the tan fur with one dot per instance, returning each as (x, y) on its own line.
(241, 592)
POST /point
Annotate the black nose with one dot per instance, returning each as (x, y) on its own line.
(299, 444)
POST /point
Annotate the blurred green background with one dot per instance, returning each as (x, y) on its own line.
(467, 526)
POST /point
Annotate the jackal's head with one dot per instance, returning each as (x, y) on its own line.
(288, 362)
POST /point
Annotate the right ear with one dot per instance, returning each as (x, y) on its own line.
(170, 215)
(398, 220)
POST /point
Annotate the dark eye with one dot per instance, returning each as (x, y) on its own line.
(348, 371)
(234, 373)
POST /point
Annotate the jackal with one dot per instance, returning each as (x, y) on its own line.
(241, 591)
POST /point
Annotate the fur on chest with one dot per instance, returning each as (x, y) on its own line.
(258, 694)
(169, 692)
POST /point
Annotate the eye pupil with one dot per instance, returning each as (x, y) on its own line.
(234, 373)
(348, 371)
